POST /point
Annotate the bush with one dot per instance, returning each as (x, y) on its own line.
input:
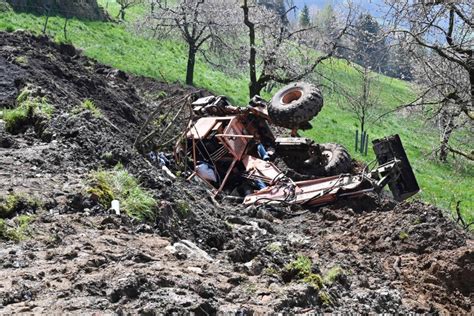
(118, 184)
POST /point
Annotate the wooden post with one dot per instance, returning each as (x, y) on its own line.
(362, 144)
(66, 19)
(357, 139)
(45, 26)
(366, 143)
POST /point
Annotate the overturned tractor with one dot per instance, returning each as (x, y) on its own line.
(234, 151)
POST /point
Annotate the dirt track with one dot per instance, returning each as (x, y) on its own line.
(392, 258)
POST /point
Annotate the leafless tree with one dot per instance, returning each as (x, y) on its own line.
(197, 22)
(126, 4)
(439, 36)
(281, 53)
(363, 99)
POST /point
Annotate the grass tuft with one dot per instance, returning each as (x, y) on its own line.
(403, 235)
(118, 184)
(12, 204)
(333, 273)
(21, 60)
(301, 268)
(88, 105)
(18, 230)
(24, 114)
(183, 208)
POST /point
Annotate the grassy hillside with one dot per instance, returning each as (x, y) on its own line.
(116, 45)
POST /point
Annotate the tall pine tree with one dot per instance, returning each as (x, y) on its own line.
(305, 20)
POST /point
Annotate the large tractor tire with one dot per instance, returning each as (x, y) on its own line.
(295, 105)
(337, 159)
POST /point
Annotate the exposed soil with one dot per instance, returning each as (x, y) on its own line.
(216, 257)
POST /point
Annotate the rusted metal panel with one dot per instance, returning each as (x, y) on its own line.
(204, 125)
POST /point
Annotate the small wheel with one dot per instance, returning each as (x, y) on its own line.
(337, 159)
(295, 105)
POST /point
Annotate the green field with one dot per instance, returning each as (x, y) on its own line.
(115, 44)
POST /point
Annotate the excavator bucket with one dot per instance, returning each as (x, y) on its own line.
(391, 148)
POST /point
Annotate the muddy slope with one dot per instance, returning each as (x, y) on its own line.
(372, 255)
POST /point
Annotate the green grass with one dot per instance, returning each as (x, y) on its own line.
(17, 230)
(88, 105)
(12, 203)
(332, 274)
(118, 184)
(116, 45)
(301, 268)
(23, 114)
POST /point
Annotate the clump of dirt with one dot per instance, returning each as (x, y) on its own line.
(201, 255)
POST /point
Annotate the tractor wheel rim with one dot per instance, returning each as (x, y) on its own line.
(291, 96)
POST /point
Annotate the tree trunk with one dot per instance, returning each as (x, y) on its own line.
(253, 85)
(255, 88)
(121, 14)
(469, 111)
(447, 126)
(444, 147)
(190, 67)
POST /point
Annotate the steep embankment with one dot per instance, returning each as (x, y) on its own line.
(367, 255)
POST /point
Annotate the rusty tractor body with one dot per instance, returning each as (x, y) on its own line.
(227, 142)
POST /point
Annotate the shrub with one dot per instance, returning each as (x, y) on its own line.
(120, 185)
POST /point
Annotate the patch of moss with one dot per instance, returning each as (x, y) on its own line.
(23, 96)
(183, 208)
(100, 188)
(301, 269)
(324, 298)
(14, 203)
(403, 235)
(18, 231)
(274, 247)
(332, 275)
(250, 288)
(314, 280)
(417, 221)
(271, 271)
(21, 60)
